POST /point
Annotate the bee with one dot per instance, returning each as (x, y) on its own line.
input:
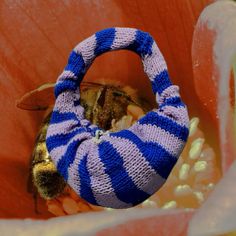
(104, 105)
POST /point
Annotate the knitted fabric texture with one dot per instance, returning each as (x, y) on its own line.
(119, 169)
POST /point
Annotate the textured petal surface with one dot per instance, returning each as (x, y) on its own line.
(36, 38)
(214, 53)
(217, 214)
(118, 222)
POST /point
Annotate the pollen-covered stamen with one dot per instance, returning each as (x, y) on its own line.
(184, 171)
(194, 175)
(196, 148)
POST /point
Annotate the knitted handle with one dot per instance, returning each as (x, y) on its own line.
(124, 168)
(114, 39)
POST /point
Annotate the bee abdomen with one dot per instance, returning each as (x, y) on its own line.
(47, 180)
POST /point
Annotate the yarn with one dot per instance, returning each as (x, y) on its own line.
(116, 169)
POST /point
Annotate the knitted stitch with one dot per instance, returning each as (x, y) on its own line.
(119, 169)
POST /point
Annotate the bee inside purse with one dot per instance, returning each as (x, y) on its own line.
(123, 104)
(130, 165)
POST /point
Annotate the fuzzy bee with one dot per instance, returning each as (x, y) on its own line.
(105, 106)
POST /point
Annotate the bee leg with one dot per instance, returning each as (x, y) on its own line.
(31, 189)
(35, 196)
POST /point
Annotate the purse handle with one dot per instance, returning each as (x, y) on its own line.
(119, 169)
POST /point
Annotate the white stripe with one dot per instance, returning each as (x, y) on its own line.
(64, 127)
(123, 37)
(137, 167)
(153, 133)
(65, 103)
(176, 114)
(73, 170)
(171, 91)
(57, 153)
(86, 49)
(154, 64)
(67, 74)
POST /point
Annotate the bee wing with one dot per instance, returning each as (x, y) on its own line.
(39, 99)
(101, 82)
(88, 84)
(42, 97)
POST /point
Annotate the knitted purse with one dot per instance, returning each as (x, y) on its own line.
(119, 169)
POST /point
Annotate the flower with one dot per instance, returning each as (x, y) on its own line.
(36, 39)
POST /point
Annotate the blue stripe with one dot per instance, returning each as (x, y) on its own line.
(124, 187)
(173, 101)
(165, 123)
(161, 82)
(159, 159)
(142, 44)
(68, 84)
(104, 39)
(68, 158)
(58, 117)
(85, 182)
(76, 65)
(62, 139)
